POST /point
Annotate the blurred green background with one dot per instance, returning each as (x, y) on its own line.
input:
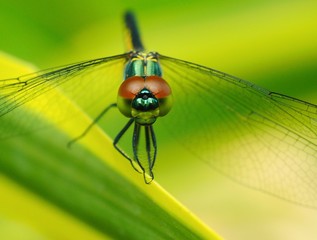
(273, 44)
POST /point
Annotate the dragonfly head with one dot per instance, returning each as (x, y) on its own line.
(145, 107)
(144, 98)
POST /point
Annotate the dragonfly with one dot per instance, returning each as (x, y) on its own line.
(259, 138)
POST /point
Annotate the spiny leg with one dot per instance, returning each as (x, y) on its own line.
(135, 144)
(149, 142)
(91, 124)
(117, 139)
(154, 145)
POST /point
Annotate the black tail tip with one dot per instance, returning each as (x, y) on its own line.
(129, 16)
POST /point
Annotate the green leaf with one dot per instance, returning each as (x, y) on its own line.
(89, 191)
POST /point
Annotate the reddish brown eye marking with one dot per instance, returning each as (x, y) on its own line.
(158, 86)
(131, 87)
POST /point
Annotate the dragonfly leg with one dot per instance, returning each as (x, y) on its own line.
(117, 139)
(153, 138)
(135, 144)
(91, 124)
(150, 142)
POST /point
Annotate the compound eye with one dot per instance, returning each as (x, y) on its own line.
(162, 91)
(129, 88)
(157, 89)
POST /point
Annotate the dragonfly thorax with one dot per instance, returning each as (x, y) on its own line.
(143, 64)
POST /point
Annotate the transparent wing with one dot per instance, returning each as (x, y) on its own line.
(261, 139)
(91, 85)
